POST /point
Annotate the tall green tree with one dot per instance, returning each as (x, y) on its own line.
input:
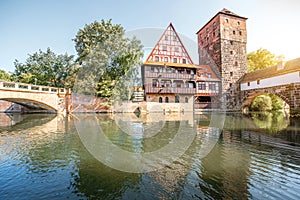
(47, 68)
(105, 55)
(262, 58)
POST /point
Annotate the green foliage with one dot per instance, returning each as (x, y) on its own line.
(5, 76)
(47, 68)
(267, 102)
(106, 55)
(261, 103)
(261, 59)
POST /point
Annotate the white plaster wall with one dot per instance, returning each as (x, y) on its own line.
(273, 81)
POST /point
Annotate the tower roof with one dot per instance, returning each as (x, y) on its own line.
(225, 12)
(169, 49)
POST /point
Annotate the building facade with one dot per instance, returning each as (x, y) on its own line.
(169, 74)
(222, 46)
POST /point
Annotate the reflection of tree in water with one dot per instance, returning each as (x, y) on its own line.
(272, 122)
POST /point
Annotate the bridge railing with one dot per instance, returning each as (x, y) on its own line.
(6, 85)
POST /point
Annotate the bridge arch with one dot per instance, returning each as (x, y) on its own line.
(31, 104)
(249, 96)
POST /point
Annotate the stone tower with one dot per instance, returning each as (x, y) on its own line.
(222, 46)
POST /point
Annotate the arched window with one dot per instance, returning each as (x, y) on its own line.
(176, 99)
(186, 100)
(167, 99)
(160, 100)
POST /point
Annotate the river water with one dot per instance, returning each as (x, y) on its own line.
(192, 156)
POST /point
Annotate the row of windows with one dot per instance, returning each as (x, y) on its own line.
(168, 83)
(172, 70)
(208, 75)
(211, 86)
(177, 99)
(166, 59)
(169, 36)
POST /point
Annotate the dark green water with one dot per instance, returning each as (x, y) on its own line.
(44, 157)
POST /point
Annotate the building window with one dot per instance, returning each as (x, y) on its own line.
(166, 37)
(155, 83)
(201, 86)
(240, 32)
(212, 87)
(258, 82)
(208, 75)
(230, 84)
(231, 42)
(174, 60)
(176, 99)
(214, 34)
(236, 63)
(156, 59)
(167, 99)
(248, 83)
(184, 61)
(160, 100)
(164, 48)
(215, 24)
(226, 20)
(231, 74)
(166, 59)
(176, 49)
(233, 32)
(231, 52)
(207, 30)
(201, 75)
(238, 23)
(186, 100)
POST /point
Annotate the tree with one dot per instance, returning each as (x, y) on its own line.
(105, 55)
(47, 68)
(5, 76)
(261, 59)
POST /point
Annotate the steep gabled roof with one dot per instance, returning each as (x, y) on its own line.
(169, 45)
(289, 67)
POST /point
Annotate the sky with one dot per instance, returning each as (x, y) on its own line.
(27, 26)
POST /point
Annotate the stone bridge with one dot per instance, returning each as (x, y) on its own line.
(35, 97)
(282, 80)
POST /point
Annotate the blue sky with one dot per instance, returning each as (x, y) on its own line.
(27, 26)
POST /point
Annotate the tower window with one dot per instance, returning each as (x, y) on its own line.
(236, 63)
(226, 20)
(231, 52)
(240, 32)
(231, 42)
(230, 84)
(238, 23)
(233, 32)
(231, 74)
